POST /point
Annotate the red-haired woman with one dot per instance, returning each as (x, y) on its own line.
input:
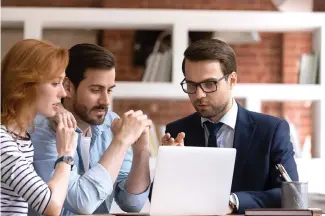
(31, 82)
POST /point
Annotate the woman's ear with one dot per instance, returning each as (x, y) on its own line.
(68, 87)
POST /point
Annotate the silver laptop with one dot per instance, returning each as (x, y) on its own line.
(192, 181)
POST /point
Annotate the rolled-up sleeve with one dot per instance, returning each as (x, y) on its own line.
(88, 191)
(128, 202)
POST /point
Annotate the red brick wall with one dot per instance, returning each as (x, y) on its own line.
(161, 111)
(193, 4)
(121, 44)
(293, 45)
(51, 3)
(271, 61)
(260, 62)
(299, 113)
(319, 5)
(256, 63)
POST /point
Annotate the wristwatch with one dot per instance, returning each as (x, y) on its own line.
(233, 203)
(67, 159)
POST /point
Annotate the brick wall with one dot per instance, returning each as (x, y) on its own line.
(161, 111)
(192, 4)
(120, 42)
(270, 50)
(51, 3)
(265, 57)
(319, 5)
(272, 61)
(260, 62)
(299, 113)
(293, 45)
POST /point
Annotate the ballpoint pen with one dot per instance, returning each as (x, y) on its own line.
(283, 173)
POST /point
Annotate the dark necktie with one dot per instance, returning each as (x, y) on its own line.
(213, 130)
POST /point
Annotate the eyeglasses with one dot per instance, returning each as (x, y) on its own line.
(206, 86)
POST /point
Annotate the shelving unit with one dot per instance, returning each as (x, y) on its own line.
(34, 20)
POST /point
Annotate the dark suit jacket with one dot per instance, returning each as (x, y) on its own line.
(261, 141)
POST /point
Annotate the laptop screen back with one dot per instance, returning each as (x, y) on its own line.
(192, 180)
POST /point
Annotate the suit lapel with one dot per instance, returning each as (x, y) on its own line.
(244, 132)
(195, 132)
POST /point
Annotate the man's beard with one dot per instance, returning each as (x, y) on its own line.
(212, 111)
(83, 113)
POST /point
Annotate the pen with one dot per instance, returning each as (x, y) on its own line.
(283, 172)
(286, 178)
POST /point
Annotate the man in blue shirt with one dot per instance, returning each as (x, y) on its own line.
(112, 159)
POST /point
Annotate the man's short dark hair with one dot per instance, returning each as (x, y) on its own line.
(212, 49)
(85, 56)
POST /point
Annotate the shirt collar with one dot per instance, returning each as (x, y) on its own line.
(229, 118)
(95, 129)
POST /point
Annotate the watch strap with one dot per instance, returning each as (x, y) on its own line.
(61, 159)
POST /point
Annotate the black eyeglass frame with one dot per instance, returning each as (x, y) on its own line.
(199, 84)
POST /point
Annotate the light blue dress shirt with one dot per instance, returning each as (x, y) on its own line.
(92, 191)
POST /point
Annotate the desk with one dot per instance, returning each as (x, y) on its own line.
(142, 214)
(135, 214)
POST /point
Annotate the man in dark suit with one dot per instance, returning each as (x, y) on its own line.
(261, 141)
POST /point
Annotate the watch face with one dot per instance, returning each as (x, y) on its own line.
(69, 160)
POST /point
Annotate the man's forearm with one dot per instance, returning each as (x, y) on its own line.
(113, 158)
(139, 177)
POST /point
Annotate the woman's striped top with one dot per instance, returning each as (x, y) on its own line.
(20, 184)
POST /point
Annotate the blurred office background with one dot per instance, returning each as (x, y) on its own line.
(265, 57)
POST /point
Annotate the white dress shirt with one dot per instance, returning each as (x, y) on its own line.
(225, 135)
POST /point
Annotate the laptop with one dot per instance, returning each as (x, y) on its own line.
(192, 181)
